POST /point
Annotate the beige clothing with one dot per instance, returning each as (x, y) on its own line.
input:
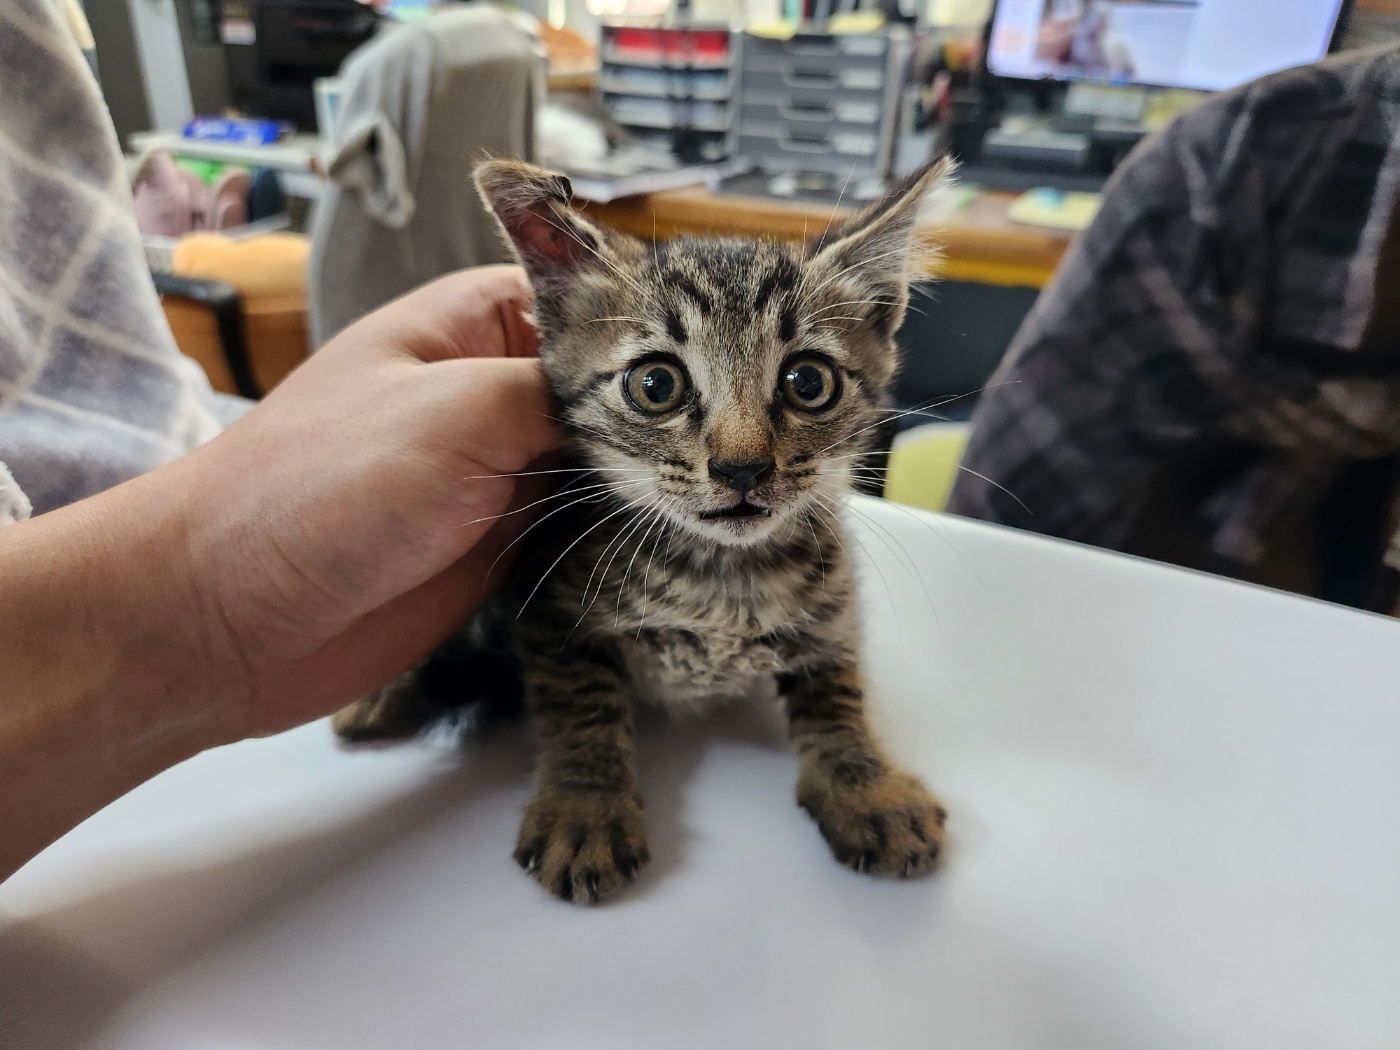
(78, 24)
(421, 104)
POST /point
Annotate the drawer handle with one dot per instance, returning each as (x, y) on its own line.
(806, 143)
(817, 47)
(819, 111)
(796, 76)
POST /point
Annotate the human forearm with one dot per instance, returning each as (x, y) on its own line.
(319, 547)
(107, 672)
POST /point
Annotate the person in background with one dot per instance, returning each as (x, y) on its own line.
(1055, 34)
(93, 390)
(182, 588)
(1213, 376)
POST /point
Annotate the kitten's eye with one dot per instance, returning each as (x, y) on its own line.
(656, 386)
(810, 383)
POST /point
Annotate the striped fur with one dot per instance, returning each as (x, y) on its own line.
(629, 589)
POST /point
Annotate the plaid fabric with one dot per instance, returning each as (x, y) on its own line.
(93, 390)
(1225, 297)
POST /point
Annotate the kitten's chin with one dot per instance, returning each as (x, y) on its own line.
(736, 530)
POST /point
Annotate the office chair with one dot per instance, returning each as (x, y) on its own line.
(239, 308)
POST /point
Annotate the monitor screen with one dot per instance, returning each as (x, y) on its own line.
(1210, 45)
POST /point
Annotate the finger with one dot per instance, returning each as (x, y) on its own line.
(400, 633)
(507, 291)
(497, 414)
(479, 312)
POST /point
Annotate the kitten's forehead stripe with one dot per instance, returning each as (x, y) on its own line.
(674, 328)
(683, 283)
(782, 278)
(787, 323)
(592, 383)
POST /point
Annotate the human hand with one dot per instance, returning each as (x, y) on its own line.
(348, 523)
(324, 543)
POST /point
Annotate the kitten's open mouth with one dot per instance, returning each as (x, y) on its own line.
(742, 509)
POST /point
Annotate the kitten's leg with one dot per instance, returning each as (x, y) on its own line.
(875, 817)
(400, 709)
(459, 674)
(583, 835)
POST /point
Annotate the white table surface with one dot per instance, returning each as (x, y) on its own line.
(1175, 823)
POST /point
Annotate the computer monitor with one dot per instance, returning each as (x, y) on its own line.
(1208, 45)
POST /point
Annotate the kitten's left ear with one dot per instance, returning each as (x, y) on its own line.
(532, 205)
(878, 243)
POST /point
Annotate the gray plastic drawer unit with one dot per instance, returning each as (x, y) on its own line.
(822, 102)
(661, 78)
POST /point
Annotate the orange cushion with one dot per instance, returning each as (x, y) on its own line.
(270, 273)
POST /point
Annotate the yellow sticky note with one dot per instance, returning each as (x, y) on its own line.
(924, 465)
(856, 22)
(1054, 209)
(775, 29)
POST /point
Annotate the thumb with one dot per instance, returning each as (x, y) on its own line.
(499, 414)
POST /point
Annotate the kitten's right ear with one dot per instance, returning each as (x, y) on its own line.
(532, 205)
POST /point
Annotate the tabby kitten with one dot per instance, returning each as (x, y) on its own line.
(718, 393)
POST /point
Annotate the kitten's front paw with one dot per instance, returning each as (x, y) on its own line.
(582, 847)
(398, 710)
(376, 717)
(890, 826)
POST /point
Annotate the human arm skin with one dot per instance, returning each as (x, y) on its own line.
(324, 543)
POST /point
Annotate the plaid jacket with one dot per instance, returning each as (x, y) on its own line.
(93, 390)
(1233, 306)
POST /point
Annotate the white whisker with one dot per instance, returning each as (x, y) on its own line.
(657, 516)
(836, 221)
(821, 557)
(909, 562)
(892, 414)
(928, 521)
(667, 530)
(566, 550)
(531, 473)
(627, 572)
(552, 496)
(598, 252)
(864, 262)
(998, 485)
(619, 538)
(595, 497)
(874, 563)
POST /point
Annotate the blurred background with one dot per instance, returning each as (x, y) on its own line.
(296, 163)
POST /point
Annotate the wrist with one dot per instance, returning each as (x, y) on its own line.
(113, 671)
(103, 625)
(171, 653)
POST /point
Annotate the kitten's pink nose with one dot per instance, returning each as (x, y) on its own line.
(743, 478)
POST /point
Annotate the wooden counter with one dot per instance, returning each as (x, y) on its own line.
(980, 243)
